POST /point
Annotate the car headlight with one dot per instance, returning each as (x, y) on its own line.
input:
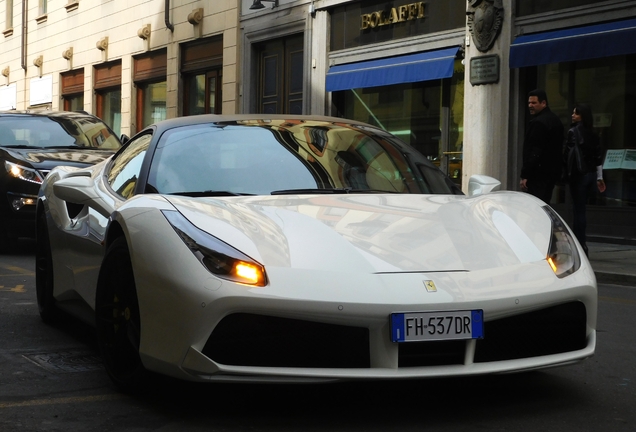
(218, 257)
(23, 173)
(563, 255)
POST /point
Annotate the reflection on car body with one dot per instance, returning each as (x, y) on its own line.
(301, 249)
(33, 143)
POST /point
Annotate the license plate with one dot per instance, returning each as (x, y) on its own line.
(430, 326)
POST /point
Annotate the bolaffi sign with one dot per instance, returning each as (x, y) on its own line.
(393, 16)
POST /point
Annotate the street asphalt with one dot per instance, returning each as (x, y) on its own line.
(613, 263)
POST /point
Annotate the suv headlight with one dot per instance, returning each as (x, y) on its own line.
(23, 173)
(218, 257)
(563, 255)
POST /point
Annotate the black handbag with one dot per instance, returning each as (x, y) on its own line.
(576, 162)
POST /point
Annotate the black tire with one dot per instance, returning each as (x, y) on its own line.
(49, 312)
(118, 321)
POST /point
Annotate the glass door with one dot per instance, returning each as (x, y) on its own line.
(427, 115)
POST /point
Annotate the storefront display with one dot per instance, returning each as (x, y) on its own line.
(417, 96)
(593, 64)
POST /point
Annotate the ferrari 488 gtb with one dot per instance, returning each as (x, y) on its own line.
(270, 248)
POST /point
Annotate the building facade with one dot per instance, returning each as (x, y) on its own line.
(129, 62)
(451, 78)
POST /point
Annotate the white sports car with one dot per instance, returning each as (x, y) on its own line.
(270, 248)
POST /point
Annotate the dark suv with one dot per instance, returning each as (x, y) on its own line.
(31, 144)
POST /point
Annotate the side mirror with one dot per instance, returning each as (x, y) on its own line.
(76, 189)
(124, 138)
(81, 190)
(482, 184)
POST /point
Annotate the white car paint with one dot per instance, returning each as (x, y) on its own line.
(340, 259)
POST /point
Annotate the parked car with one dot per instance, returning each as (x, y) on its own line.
(31, 144)
(294, 248)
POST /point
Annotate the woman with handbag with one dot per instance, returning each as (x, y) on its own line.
(584, 167)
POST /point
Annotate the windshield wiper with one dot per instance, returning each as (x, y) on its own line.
(20, 146)
(344, 190)
(209, 193)
(24, 146)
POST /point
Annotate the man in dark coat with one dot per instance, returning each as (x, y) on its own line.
(542, 148)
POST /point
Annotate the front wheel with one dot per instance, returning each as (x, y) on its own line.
(117, 319)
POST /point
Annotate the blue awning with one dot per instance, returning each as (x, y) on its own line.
(581, 43)
(425, 66)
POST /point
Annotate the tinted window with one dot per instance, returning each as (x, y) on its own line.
(235, 158)
(46, 132)
(124, 171)
(262, 157)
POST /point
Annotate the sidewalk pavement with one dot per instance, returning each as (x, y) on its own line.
(613, 263)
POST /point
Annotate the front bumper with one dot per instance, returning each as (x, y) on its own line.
(253, 337)
(318, 325)
(17, 214)
(509, 346)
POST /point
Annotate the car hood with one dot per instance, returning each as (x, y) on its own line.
(378, 233)
(43, 158)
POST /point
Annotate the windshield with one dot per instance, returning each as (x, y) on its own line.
(56, 132)
(283, 156)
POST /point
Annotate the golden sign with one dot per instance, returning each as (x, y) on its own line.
(395, 15)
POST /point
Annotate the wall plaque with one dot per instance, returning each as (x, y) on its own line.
(8, 97)
(484, 69)
(41, 90)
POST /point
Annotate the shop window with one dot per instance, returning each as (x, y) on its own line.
(151, 103)
(203, 95)
(608, 86)
(427, 115)
(108, 94)
(73, 90)
(150, 79)
(109, 108)
(74, 102)
(202, 71)
(280, 76)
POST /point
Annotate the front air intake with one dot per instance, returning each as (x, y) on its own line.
(257, 340)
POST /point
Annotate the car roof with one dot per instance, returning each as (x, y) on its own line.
(43, 113)
(217, 118)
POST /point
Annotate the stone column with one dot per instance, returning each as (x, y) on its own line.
(318, 67)
(487, 105)
(127, 96)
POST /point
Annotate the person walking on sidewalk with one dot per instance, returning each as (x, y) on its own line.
(542, 148)
(583, 175)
